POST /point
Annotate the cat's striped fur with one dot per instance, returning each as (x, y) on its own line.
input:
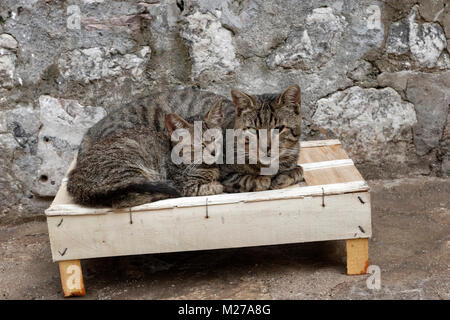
(151, 111)
(125, 159)
(266, 111)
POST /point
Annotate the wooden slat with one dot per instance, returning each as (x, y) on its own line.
(319, 143)
(326, 164)
(242, 224)
(318, 154)
(330, 175)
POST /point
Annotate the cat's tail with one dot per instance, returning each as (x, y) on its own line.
(120, 196)
(164, 187)
(141, 193)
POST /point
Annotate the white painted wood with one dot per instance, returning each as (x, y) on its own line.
(229, 225)
(220, 199)
(319, 143)
(326, 164)
(75, 209)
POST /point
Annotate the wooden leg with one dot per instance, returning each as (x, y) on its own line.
(357, 256)
(71, 278)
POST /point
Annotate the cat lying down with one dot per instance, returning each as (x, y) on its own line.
(152, 149)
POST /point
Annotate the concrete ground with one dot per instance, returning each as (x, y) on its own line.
(411, 245)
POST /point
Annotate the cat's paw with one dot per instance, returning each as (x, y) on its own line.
(210, 189)
(230, 189)
(286, 179)
(246, 183)
(262, 183)
(280, 181)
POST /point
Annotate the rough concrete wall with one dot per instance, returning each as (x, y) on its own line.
(375, 74)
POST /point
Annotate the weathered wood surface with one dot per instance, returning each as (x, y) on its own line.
(216, 226)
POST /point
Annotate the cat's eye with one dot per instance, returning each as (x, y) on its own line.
(252, 130)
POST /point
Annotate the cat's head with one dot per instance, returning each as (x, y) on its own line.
(271, 111)
(206, 127)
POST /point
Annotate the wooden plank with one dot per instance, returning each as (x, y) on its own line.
(324, 153)
(330, 175)
(357, 256)
(71, 278)
(221, 199)
(242, 224)
(311, 156)
(319, 143)
(326, 164)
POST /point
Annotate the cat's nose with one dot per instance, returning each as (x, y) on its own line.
(213, 153)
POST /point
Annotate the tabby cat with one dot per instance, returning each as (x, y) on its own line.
(125, 159)
(266, 111)
(151, 111)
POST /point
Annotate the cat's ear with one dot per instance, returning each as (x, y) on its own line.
(241, 101)
(174, 122)
(291, 97)
(214, 117)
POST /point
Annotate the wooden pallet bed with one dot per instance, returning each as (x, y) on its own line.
(334, 205)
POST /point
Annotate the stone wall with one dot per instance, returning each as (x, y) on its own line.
(375, 74)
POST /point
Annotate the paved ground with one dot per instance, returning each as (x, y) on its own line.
(411, 245)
